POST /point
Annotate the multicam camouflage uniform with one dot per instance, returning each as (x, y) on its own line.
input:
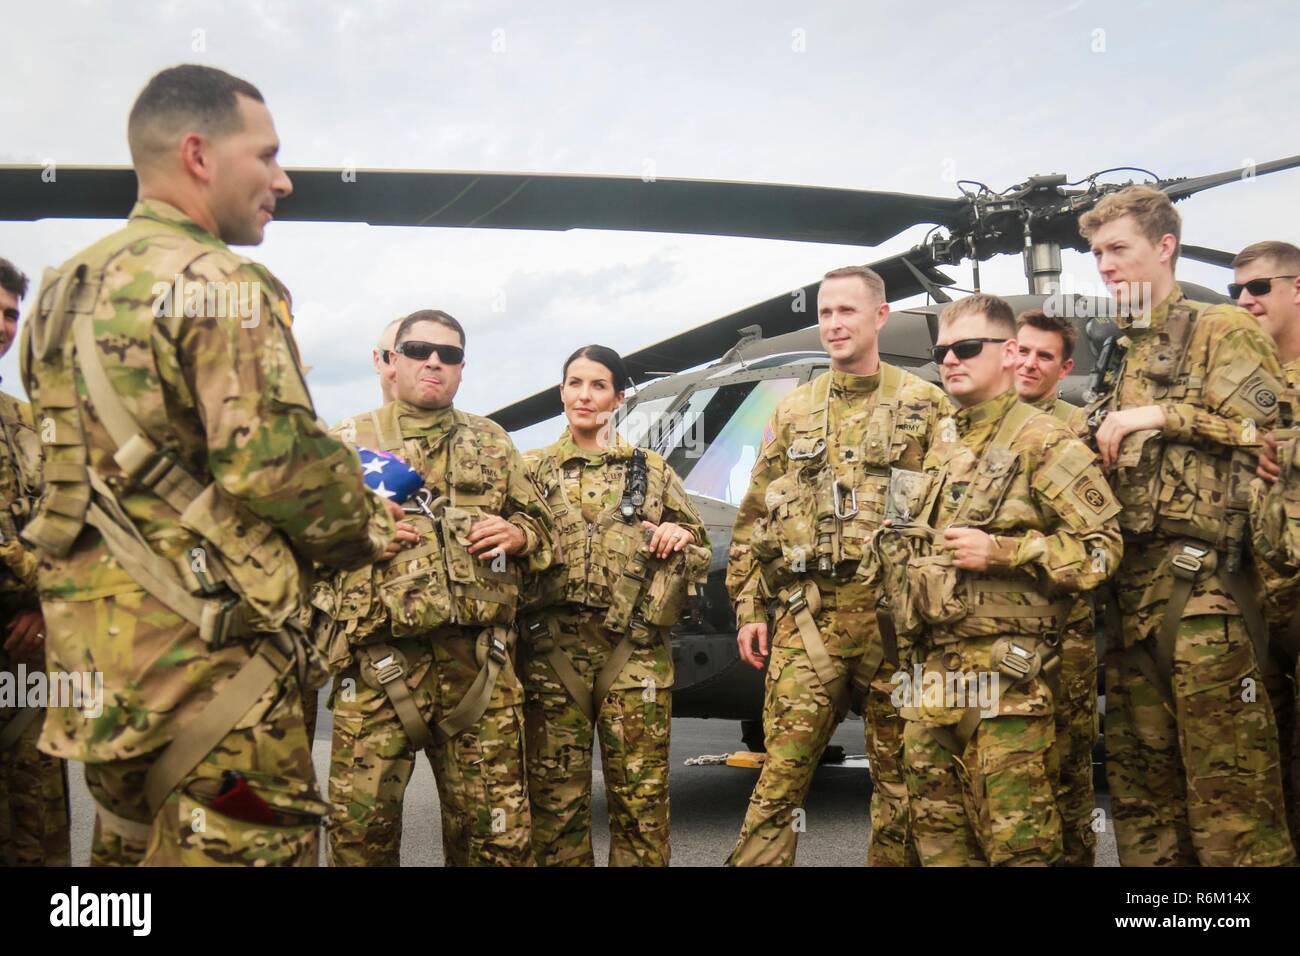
(840, 431)
(1191, 742)
(33, 785)
(201, 467)
(982, 773)
(628, 702)
(1075, 704)
(426, 643)
(1275, 521)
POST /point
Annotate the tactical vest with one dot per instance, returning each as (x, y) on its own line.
(923, 587)
(823, 512)
(242, 577)
(1166, 486)
(437, 582)
(607, 562)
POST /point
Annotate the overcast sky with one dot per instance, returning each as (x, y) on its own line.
(876, 95)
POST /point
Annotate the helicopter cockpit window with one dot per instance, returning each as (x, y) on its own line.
(716, 437)
(638, 424)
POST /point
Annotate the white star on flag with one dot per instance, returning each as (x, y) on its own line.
(375, 466)
(381, 490)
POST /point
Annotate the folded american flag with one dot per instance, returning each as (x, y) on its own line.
(388, 476)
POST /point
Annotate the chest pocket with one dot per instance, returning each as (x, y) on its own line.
(792, 504)
(996, 470)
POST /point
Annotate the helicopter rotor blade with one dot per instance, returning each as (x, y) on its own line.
(1215, 257)
(521, 201)
(1177, 189)
(778, 315)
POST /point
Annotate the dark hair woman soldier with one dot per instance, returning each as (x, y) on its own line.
(595, 648)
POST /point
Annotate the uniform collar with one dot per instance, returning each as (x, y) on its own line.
(417, 422)
(169, 215)
(566, 450)
(995, 409)
(1159, 315)
(1047, 403)
(856, 384)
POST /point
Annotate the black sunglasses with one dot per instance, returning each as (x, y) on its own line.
(11, 315)
(447, 354)
(963, 349)
(1255, 287)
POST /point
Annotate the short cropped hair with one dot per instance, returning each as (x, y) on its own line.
(428, 315)
(12, 279)
(1282, 254)
(1150, 208)
(875, 284)
(183, 99)
(993, 307)
(1038, 319)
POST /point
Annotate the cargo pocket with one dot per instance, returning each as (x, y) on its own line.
(934, 582)
(290, 836)
(480, 594)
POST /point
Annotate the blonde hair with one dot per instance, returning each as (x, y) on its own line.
(1151, 209)
(1282, 254)
(994, 308)
(875, 284)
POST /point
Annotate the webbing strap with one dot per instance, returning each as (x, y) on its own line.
(17, 726)
(888, 636)
(803, 603)
(111, 822)
(573, 682)
(618, 658)
(491, 650)
(197, 738)
(121, 424)
(954, 738)
(1252, 617)
(391, 676)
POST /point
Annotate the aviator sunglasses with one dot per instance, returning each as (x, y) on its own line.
(963, 349)
(1255, 287)
(447, 354)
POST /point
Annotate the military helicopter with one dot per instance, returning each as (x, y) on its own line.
(703, 396)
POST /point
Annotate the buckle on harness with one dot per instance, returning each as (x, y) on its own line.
(796, 602)
(497, 650)
(1189, 561)
(387, 670)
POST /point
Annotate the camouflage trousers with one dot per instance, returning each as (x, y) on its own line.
(272, 753)
(1198, 781)
(633, 722)
(1075, 715)
(798, 721)
(479, 772)
(1281, 681)
(33, 804)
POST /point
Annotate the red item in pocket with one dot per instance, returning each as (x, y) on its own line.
(239, 802)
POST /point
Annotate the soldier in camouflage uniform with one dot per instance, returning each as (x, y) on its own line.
(426, 638)
(597, 656)
(1191, 742)
(1267, 285)
(1022, 521)
(801, 544)
(1046, 350)
(188, 486)
(33, 785)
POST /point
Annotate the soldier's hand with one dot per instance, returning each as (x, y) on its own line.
(492, 535)
(1269, 468)
(745, 638)
(26, 638)
(1119, 425)
(667, 538)
(407, 535)
(972, 549)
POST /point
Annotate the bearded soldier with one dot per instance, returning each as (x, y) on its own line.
(1010, 518)
(188, 487)
(33, 785)
(1191, 742)
(427, 638)
(800, 547)
(1045, 346)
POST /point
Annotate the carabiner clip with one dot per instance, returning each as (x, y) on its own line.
(837, 499)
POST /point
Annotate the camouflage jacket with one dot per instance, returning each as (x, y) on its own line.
(1074, 417)
(583, 490)
(776, 535)
(20, 485)
(1275, 513)
(212, 376)
(1044, 501)
(472, 469)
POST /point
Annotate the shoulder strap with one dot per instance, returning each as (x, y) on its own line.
(388, 431)
(891, 383)
(1016, 419)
